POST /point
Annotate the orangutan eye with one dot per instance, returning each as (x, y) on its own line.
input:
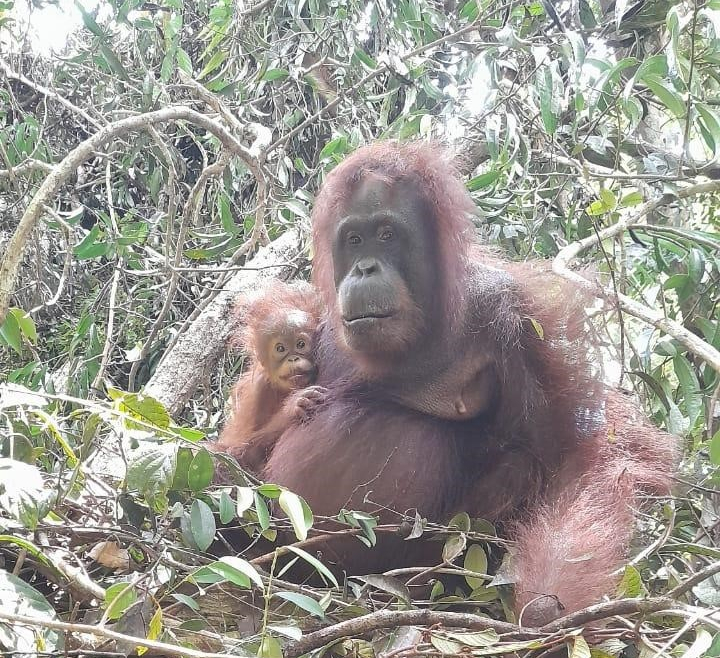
(301, 344)
(386, 234)
(354, 239)
(280, 348)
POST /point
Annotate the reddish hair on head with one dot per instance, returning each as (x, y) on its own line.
(429, 168)
(265, 309)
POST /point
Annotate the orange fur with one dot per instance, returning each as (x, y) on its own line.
(568, 551)
(260, 409)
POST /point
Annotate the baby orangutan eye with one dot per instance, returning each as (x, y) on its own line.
(280, 348)
(301, 344)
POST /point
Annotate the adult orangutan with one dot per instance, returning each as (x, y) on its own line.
(460, 382)
(280, 323)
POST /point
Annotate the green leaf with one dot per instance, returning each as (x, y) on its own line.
(275, 74)
(89, 246)
(676, 422)
(184, 62)
(714, 649)
(545, 85)
(666, 347)
(187, 433)
(336, 145)
(262, 511)
(302, 601)
(216, 60)
(237, 571)
(445, 646)
(454, 546)
(715, 449)
(200, 472)
(298, 513)
(710, 127)
(133, 233)
(187, 600)
(297, 208)
(655, 65)
(364, 58)
(23, 599)
(608, 198)
(388, 584)
(202, 524)
(578, 647)
(270, 490)
(245, 500)
(143, 408)
(475, 560)
(483, 180)
(226, 508)
(631, 199)
(699, 648)
(324, 572)
(269, 647)
(630, 585)
(151, 472)
(460, 522)
(692, 398)
(26, 324)
(596, 208)
(470, 10)
(578, 49)
(10, 333)
(166, 68)
(607, 203)
(667, 96)
(696, 265)
(183, 459)
(293, 632)
(155, 626)
(27, 546)
(654, 385)
(118, 598)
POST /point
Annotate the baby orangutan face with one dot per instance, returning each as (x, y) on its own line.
(285, 351)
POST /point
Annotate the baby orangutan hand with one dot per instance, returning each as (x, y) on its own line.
(305, 401)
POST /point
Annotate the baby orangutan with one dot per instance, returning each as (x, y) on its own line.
(279, 334)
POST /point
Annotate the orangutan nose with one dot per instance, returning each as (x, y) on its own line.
(367, 266)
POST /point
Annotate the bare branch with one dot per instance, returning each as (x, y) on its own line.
(100, 631)
(563, 261)
(393, 619)
(12, 75)
(12, 257)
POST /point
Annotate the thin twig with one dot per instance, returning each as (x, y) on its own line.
(15, 248)
(393, 619)
(691, 72)
(12, 75)
(100, 631)
(696, 578)
(192, 206)
(563, 261)
(384, 68)
(110, 327)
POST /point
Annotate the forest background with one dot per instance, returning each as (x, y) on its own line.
(166, 157)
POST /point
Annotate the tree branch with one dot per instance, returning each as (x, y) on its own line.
(392, 619)
(12, 257)
(101, 631)
(563, 261)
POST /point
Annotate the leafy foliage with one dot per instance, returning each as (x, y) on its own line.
(569, 122)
